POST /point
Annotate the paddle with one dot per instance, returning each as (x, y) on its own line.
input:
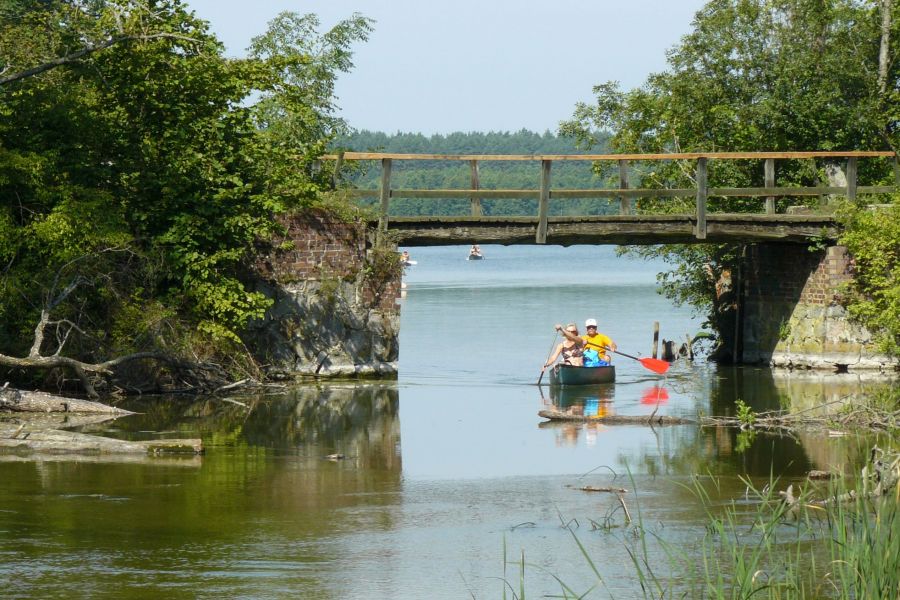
(654, 364)
(548, 358)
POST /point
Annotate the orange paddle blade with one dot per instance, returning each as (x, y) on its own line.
(654, 364)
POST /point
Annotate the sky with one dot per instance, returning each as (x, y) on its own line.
(437, 67)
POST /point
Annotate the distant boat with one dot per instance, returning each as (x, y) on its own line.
(562, 374)
(476, 257)
(407, 263)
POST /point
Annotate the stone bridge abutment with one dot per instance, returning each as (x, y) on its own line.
(790, 312)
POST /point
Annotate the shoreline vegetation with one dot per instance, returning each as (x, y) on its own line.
(833, 540)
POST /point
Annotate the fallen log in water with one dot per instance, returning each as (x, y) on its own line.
(24, 439)
(555, 415)
(41, 402)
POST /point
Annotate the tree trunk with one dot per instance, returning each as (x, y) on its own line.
(41, 402)
(24, 439)
(884, 50)
(555, 415)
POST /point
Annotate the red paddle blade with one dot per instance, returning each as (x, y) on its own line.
(654, 364)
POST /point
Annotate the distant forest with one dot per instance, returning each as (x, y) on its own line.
(492, 175)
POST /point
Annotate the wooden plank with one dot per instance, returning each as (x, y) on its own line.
(700, 230)
(385, 194)
(776, 191)
(616, 157)
(851, 179)
(468, 193)
(543, 203)
(632, 193)
(624, 201)
(475, 201)
(769, 182)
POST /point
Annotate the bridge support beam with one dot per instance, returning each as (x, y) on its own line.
(385, 196)
(769, 176)
(543, 203)
(700, 230)
(625, 207)
(475, 200)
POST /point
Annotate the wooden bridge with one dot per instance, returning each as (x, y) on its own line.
(698, 226)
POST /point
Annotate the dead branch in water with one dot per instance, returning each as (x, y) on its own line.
(864, 417)
(555, 415)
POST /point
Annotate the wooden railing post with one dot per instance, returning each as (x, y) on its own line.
(851, 179)
(770, 183)
(896, 171)
(475, 200)
(336, 176)
(385, 194)
(700, 232)
(543, 203)
(624, 203)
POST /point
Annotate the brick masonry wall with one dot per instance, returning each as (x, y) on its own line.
(335, 310)
(327, 248)
(792, 314)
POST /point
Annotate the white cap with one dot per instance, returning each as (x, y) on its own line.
(590, 323)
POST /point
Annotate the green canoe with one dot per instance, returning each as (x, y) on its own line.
(568, 375)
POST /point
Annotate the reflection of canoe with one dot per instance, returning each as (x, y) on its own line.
(476, 257)
(564, 396)
(595, 401)
(568, 375)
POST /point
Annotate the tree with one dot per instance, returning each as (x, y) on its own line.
(754, 75)
(123, 126)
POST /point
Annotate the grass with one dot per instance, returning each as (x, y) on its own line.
(768, 545)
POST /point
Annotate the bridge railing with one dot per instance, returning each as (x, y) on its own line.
(626, 194)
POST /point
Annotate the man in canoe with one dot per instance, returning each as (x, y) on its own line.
(592, 341)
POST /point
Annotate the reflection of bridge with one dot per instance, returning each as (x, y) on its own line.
(700, 225)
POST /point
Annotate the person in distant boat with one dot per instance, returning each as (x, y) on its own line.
(593, 343)
(569, 349)
(475, 250)
(404, 257)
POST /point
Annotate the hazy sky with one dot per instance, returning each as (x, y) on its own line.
(477, 65)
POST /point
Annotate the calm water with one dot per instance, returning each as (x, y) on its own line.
(443, 469)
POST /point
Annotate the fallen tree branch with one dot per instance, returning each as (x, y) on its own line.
(27, 440)
(590, 488)
(41, 402)
(555, 415)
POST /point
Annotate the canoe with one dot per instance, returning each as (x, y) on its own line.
(476, 257)
(568, 375)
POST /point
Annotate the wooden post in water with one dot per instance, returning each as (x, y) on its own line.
(624, 203)
(385, 194)
(543, 203)
(475, 200)
(655, 338)
(700, 232)
(851, 179)
(770, 183)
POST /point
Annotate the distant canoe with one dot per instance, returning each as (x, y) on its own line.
(476, 257)
(408, 263)
(568, 375)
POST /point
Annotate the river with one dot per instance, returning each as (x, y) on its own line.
(446, 472)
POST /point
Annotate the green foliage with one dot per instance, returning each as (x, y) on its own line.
(752, 75)
(745, 414)
(873, 239)
(154, 163)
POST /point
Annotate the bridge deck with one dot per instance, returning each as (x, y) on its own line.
(611, 229)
